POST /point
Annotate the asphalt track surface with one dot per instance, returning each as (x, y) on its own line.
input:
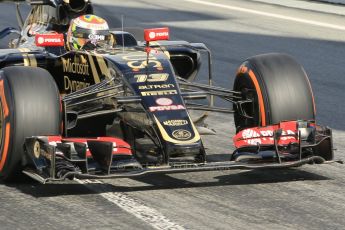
(309, 197)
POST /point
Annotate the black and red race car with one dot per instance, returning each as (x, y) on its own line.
(125, 111)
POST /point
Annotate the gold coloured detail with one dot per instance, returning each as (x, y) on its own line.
(144, 64)
(175, 122)
(75, 67)
(32, 60)
(159, 92)
(155, 77)
(37, 149)
(169, 139)
(24, 50)
(181, 134)
(163, 86)
(26, 60)
(72, 85)
(94, 70)
(103, 66)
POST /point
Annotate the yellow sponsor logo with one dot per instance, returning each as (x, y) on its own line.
(175, 122)
(71, 85)
(139, 60)
(159, 92)
(163, 86)
(75, 67)
(155, 77)
(136, 65)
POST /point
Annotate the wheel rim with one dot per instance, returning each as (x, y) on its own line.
(250, 109)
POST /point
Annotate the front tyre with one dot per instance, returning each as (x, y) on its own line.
(29, 106)
(279, 88)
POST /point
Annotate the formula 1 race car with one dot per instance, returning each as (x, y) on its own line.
(125, 111)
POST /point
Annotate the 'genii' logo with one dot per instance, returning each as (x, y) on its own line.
(96, 37)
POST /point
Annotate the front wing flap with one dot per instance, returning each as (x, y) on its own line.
(289, 140)
(54, 157)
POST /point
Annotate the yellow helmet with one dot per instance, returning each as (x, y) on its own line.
(88, 32)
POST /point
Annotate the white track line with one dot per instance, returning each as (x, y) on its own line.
(300, 20)
(149, 215)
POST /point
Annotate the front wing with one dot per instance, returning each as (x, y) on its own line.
(289, 144)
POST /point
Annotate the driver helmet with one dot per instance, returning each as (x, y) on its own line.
(88, 32)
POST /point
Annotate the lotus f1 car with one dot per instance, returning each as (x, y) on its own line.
(124, 111)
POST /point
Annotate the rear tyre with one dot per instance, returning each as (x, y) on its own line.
(279, 87)
(29, 106)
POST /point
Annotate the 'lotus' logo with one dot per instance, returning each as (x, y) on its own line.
(181, 134)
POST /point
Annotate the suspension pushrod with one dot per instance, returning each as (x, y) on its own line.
(215, 88)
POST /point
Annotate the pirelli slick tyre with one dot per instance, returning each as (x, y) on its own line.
(29, 106)
(279, 87)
